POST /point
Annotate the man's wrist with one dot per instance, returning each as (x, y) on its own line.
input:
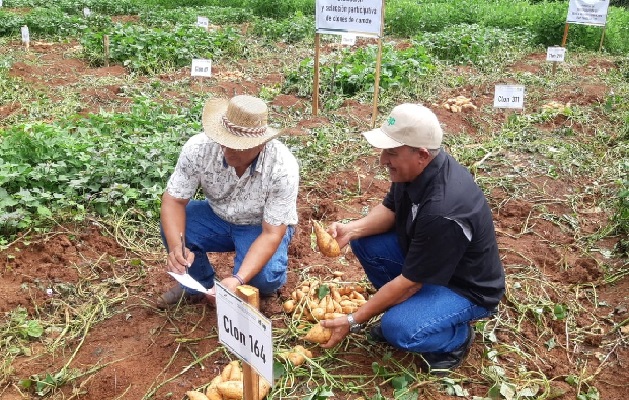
(239, 279)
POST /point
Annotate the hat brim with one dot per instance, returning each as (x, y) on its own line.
(378, 138)
(211, 118)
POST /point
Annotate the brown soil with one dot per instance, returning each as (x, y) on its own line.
(140, 350)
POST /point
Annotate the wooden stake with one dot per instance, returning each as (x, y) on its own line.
(563, 43)
(315, 88)
(251, 380)
(376, 89)
(600, 46)
(106, 49)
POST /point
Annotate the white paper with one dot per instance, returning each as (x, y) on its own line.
(190, 282)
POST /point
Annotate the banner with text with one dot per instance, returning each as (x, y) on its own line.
(588, 12)
(359, 16)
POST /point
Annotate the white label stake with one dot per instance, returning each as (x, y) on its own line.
(26, 37)
(509, 96)
(203, 22)
(556, 54)
(86, 12)
(201, 67)
(245, 331)
(348, 39)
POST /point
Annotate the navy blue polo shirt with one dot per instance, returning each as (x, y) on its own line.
(446, 231)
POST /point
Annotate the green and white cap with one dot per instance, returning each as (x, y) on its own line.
(408, 124)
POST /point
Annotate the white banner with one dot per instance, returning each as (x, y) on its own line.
(359, 16)
(588, 12)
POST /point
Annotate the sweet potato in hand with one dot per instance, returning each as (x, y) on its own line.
(328, 246)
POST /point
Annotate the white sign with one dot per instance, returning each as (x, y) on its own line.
(86, 12)
(509, 96)
(347, 39)
(363, 16)
(556, 54)
(245, 331)
(588, 12)
(0, 3)
(203, 22)
(201, 67)
(26, 37)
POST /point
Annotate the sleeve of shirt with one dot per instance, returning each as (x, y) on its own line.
(436, 249)
(281, 206)
(185, 180)
(389, 201)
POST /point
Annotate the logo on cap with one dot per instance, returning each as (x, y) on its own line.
(391, 121)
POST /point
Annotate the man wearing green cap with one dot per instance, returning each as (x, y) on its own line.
(429, 248)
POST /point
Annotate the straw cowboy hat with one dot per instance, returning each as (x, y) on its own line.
(240, 123)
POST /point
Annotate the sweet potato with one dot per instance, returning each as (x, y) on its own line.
(212, 391)
(289, 306)
(328, 246)
(231, 390)
(236, 373)
(225, 374)
(263, 388)
(318, 334)
(192, 395)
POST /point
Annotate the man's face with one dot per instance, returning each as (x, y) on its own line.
(404, 163)
(240, 159)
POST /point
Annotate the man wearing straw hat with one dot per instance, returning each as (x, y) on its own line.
(429, 248)
(250, 182)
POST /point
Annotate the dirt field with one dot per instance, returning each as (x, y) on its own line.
(125, 348)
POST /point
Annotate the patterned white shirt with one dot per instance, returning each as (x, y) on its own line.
(267, 190)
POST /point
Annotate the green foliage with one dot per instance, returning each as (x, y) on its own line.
(151, 50)
(473, 44)
(50, 21)
(111, 7)
(188, 15)
(288, 30)
(356, 71)
(617, 32)
(408, 17)
(104, 162)
(279, 9)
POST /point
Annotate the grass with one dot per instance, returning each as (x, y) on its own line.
(110, 167)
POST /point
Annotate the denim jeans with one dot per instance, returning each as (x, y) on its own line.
(433, 320)
(206, 232)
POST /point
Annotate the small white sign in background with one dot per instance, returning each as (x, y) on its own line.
(348, 39)
(201, 67)
(203, 22)
(556, 54)
(26, 36)
(509, 96)
(0, 3)
(86, 12)
(245, 331)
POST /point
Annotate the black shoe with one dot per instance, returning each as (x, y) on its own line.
(442, 363)
(375, 334)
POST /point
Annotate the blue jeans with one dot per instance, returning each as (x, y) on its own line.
(206, 232)
(433, 320)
